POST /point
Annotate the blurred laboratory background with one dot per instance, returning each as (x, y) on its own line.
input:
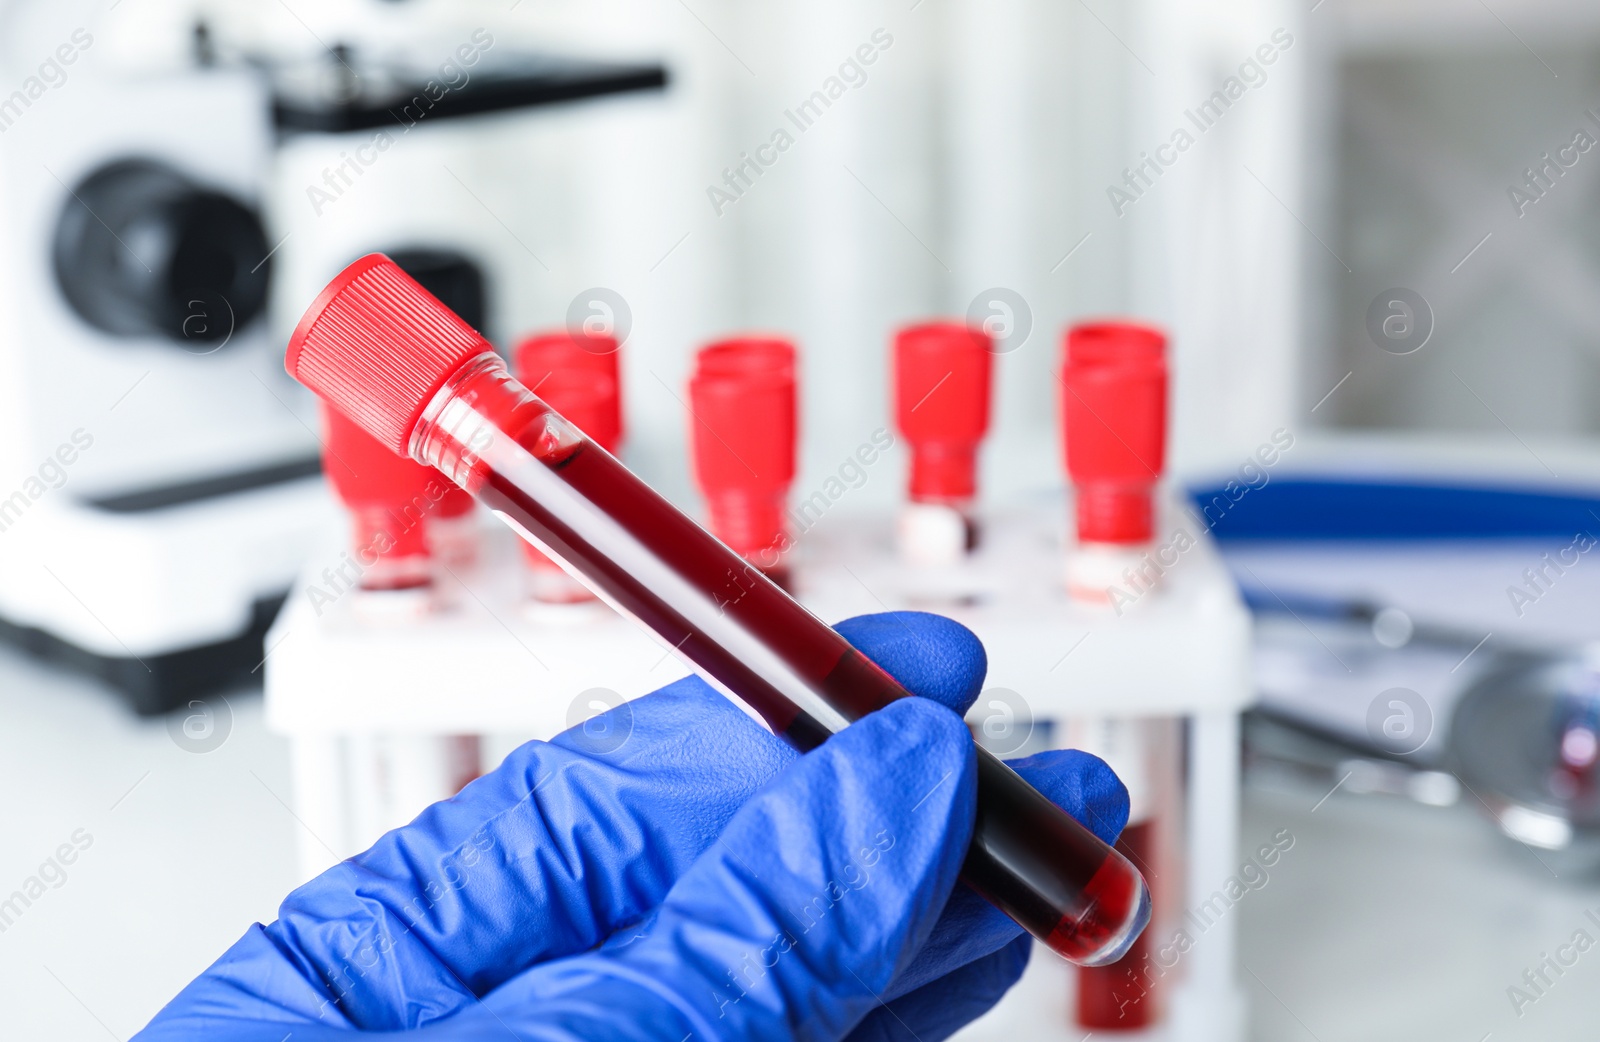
(1362, 696)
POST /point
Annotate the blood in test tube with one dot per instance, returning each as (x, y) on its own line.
(587, 398)
(388, 499)
(578, 375)
(941, 407)
(742, 442)
(381, 348)
(1114, 419)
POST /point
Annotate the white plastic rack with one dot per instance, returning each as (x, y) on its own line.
(360, 698)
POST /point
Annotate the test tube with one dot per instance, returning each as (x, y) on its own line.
(381, 348)
(1114, 413)
(578, 375)
(1126, 995)
(587, 398)
(392, 502)
(742, 406)
(941, 407)
(1114, 400)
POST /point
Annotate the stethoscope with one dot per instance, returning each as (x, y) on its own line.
(1523, 739)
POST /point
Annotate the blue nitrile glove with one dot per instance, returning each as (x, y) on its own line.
(697, 878)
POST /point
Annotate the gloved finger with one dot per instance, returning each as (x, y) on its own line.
(545, 856)
(972, 928)
(1082, 783)
(942, 1007)
(933, 657)
(793, 924)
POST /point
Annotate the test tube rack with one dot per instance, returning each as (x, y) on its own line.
(357, 696)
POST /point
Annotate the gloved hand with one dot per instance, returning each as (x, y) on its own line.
(698, 879)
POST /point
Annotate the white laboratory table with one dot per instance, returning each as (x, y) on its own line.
(1392, 921)
(1386, 921)
(188, 849)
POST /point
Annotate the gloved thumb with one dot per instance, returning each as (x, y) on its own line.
(794, 923)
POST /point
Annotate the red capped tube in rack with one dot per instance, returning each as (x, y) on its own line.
(742, 403)
(942, 373)
(941, 406)
(580, 376)
(1114, 421)
(420, 380)
(554, 351)
(388, 498)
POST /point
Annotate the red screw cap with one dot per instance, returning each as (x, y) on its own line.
(538, 356)
(364, 472)
(1115, 343)
(941, 406)
(377, 347)
(745, 354)
(742, 433)
(1114, 413)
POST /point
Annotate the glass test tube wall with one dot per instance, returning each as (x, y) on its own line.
(579, 376)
